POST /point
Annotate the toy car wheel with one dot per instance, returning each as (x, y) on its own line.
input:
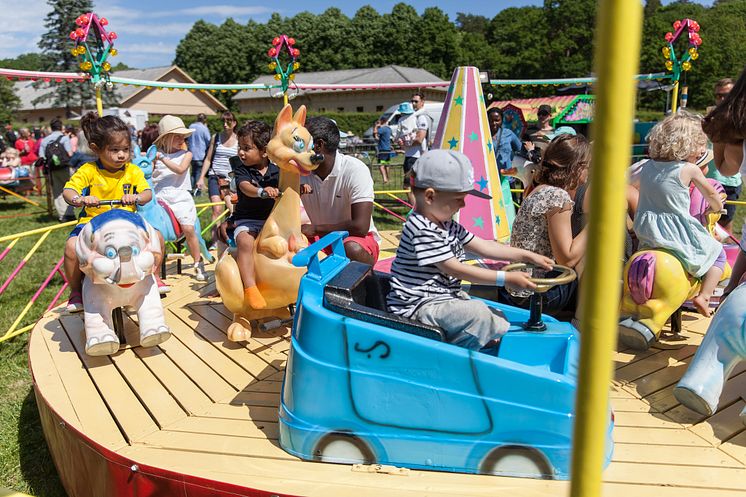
(343, 448)
(517, 461)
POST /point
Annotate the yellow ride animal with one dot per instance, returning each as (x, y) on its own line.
(656, 285)
(291, 148)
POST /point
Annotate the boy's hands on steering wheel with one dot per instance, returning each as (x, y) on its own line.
(516, 280)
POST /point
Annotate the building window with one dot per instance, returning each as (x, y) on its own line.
(360, 109)
(340, 109)
(322, 109)
(379, 108)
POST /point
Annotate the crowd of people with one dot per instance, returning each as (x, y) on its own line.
(549, 226)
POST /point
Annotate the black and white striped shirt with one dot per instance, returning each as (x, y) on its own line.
(415, 278)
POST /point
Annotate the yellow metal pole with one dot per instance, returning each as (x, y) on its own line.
(675, 97)
(616, 61)
(285, 98)
(99, 102)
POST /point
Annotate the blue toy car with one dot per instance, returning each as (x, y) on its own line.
(363, 385)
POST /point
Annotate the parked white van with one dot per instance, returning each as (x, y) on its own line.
(392, 116)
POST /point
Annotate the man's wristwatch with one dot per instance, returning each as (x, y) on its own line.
(75, 199)
(137, 199)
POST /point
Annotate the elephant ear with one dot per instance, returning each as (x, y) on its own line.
(151, 240)
(85, 245)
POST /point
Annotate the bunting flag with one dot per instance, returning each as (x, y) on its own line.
(463, 127)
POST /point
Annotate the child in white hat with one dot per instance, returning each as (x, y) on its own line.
(173, 184)
(428, 268)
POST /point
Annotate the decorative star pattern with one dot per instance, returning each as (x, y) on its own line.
(453, 142)
(489, 145)
(497, 220)
(482, 183)
(478, 222)
(473, 136)
(459, 100)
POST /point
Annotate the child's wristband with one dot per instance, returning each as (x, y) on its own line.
(500, 278)
(260, 192)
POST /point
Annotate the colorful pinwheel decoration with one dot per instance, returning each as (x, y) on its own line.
(94, 45)
(283, 73)
(673, 63)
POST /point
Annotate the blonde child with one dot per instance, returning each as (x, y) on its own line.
(428, 268)
(173, 185)
(257, 181)
(111, 177)
(663, 220)
(11, 158)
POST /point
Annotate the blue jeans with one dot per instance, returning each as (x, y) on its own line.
(557, 299)
(196, 171)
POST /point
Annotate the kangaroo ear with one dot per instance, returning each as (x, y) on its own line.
(152, 151)
(283, 119)
(300, 115)
(136, 151)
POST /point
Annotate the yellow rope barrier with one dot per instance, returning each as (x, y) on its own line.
(25, 199)
(36, 246)
(37, 231)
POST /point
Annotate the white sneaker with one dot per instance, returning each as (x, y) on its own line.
(199, 271)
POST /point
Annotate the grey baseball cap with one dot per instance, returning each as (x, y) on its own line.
(445, 171)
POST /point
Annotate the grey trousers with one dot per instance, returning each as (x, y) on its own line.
(467, 322)
(58, 178)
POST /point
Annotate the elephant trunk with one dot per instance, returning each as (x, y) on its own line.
(127, 272)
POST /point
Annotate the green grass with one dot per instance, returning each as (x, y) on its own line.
(25, 463)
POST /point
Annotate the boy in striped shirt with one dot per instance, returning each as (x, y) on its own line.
(429, 267)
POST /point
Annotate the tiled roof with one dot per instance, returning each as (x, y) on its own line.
(387, 74)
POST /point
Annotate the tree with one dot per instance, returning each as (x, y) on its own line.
(9, 101)
(570, 26)
(470, 23)
(26, 62)
(55, 45)
(369, 41)
(438, 43)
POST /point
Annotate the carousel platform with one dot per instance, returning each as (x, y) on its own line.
(197, 416)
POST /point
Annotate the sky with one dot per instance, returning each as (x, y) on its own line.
(148, 31)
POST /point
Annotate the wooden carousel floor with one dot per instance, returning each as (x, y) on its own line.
(206, 407)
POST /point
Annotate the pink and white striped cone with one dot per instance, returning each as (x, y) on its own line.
(463, 126)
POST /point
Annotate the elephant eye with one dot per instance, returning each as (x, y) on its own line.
(299, 145)
(110, 252)
(135, 250)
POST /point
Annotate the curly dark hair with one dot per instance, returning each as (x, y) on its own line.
(258, 131)
(564, 161)
(726, 123)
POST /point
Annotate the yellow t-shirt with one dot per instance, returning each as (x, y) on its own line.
(90, 179)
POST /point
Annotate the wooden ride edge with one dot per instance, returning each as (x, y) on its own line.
(629, 395)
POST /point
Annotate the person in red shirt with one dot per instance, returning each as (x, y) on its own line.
(28, 149)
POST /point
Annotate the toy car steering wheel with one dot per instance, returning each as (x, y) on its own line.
(544, 284)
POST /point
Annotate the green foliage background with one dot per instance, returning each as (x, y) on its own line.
(550, 41)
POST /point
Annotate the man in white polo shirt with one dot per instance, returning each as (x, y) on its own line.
(341, 197)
